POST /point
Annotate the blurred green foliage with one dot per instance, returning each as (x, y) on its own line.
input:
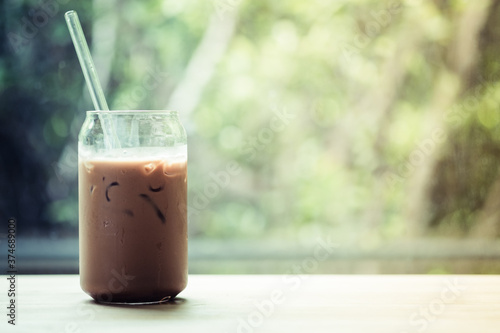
(369, 120)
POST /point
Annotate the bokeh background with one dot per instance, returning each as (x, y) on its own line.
(368, 128)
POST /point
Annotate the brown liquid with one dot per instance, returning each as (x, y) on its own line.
(133, 229)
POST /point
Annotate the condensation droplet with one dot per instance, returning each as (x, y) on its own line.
(88, 166)
(181, 206)
(171, 169)
(150, 167)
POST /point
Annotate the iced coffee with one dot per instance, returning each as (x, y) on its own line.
(132, 209)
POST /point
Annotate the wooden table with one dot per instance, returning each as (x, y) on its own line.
(269, 303)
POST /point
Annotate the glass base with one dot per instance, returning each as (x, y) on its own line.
(164, 300)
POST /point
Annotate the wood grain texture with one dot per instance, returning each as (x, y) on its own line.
(270, 303)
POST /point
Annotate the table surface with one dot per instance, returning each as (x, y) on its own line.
(269, 303)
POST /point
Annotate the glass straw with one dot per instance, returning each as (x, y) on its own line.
(86, 62)
(93, 84)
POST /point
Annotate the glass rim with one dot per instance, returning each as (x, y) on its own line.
(122, 112)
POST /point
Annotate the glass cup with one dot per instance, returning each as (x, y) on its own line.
(132, 180)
